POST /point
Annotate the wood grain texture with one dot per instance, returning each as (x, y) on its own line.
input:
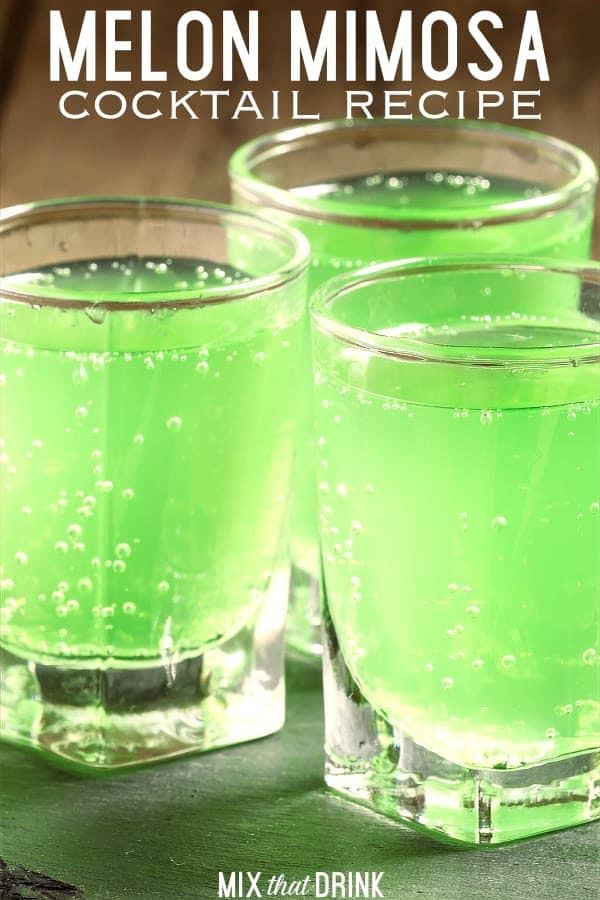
(45, 155)
(166, 832)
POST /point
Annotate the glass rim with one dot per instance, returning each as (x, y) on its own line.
(26, 215)
(417, 349)
(244, 160)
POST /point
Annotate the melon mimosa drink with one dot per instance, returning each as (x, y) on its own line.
(374, 191)
(458, 441)
(148, 363)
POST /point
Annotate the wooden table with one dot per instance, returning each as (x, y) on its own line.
(165, 832)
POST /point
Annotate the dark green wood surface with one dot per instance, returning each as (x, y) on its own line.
(165, 832)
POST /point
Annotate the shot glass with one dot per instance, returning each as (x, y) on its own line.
(374, 191)
(149, 355)
(458, 434)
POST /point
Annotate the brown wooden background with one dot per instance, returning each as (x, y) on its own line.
(45, 155)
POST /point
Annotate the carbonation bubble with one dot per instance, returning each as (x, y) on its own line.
(104, 486)
(447, 683)
(123, 551)
(486, 417)
(119, 566)
(477, 664)
(127, 493)
(85, 584)
(589, 656)
(138, 439)
(472, 610)
(174, 423)
(21, 557)
(74, 530)
(163, 586)
(96, 313)
(80, 375)
(499, 522)
(81, 412)
(129, 607)
(508, 661)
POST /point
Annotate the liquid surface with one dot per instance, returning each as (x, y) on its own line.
(509, 336)
(129, 277)
(145, 462)
(460, 548)
(427, 190)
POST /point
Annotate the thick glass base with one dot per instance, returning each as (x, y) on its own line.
(303, 630)
(371, 762)
(114, 717)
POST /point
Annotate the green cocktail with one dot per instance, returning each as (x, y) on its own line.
(367, 192)
(458, 433)
(148, 427)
